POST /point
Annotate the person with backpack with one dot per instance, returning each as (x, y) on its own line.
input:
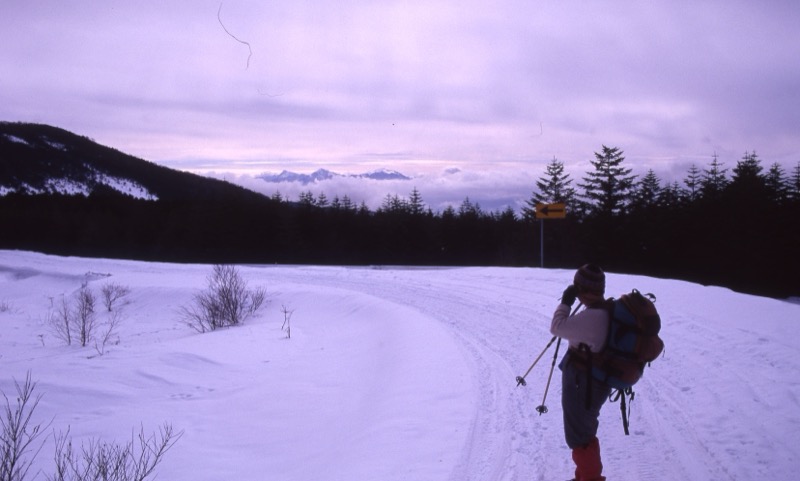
(582, 396)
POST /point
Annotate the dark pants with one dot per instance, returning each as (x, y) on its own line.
(580, 422)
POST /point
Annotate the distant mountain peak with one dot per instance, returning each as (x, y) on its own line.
(325, 174)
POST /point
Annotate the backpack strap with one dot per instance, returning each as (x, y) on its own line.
(619, 395)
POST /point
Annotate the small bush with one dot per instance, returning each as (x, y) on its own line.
(5, 306)
(85, 319)
(18, 439)
(59, 319)
(226, 302)
(97, 461)
(134, 461)
(75, 319)
(113, 292)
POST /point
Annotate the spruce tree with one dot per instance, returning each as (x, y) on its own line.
(794, 184)
(714, 180)
(347, 204)
(607, 190)
(415, 203)
(747, 181)
(693, 183)
(554, 187)
(777, 184)
(647, 192)
(672, 196)
(468, 209)
(748, 170)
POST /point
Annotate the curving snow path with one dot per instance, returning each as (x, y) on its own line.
(399, 374)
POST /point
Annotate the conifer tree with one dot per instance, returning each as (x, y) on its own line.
(747, 181)
(777, 184)
(608, 188)
(647, 192)
(468, 209)
(672, 196)
(347, 204)
(415, 204)
(554, 187)
(307, 198)
(794, 184)
(393, 203)
(748, 170)
(714, 180)
(693, 182)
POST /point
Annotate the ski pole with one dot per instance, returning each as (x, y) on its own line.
(543, 408)
(521, 379)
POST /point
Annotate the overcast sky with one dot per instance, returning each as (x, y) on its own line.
(490, 88)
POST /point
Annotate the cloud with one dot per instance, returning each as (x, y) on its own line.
(492, 190)
(413, 86)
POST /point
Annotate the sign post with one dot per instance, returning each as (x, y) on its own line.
(548, 211)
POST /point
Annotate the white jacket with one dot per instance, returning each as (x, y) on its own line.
(590, 327)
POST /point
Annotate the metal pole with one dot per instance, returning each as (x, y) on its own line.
(521, 379)
(541, 244)
(543, 408)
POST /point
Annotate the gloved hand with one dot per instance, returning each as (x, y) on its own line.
(570, 293)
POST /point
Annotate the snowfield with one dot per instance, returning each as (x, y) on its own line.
(398, 374)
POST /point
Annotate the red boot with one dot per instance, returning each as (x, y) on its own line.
(588, 466)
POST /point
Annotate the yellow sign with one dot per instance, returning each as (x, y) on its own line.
(551, 211)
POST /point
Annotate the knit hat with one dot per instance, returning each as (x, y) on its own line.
(590, 278)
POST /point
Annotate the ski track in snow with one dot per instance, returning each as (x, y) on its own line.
(502, 407)
(718, 405)
(670, 422)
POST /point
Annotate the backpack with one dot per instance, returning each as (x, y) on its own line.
(632, 341)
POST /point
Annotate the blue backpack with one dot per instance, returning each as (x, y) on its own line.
(633, 340)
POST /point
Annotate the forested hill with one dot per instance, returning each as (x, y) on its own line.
(41, 159)
(64, 194)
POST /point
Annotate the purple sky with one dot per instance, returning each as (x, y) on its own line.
(490, 88)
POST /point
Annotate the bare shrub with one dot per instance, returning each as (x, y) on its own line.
(85, 318)
(60, 320)
(5, 306)
(133, 461)
(257, 298)
(108, 331)
(287, 321)
(113, 292)
(75, 320)
(226, 302)
(19, 436)
(96, 461)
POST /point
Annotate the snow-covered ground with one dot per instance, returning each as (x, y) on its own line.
(398, 374)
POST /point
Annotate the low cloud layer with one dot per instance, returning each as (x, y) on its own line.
(493, 191)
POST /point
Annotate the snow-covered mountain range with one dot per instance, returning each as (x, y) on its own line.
(324, 174)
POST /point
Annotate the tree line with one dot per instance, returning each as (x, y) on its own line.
(736, 228)
(732, 227)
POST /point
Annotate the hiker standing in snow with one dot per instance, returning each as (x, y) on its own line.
(582, 397)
